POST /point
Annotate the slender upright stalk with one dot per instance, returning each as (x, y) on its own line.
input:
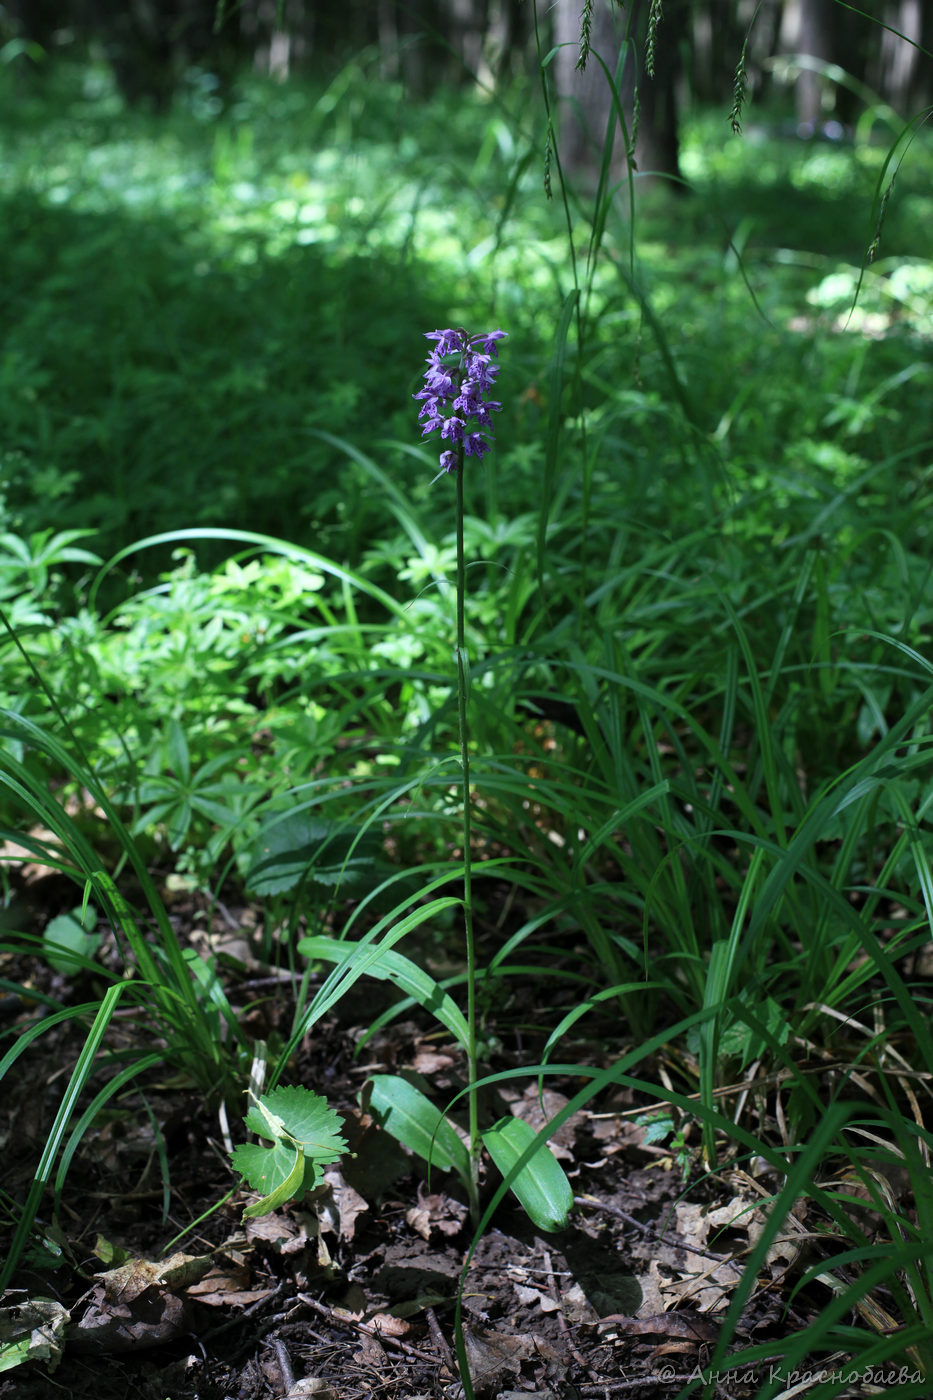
(455, 401)
(476, 1145)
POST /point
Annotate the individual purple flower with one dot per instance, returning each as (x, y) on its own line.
(455, 397)
(475, 445)
(488, 341)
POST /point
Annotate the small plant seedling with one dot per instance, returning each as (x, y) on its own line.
(661, 1128)
(305, 1135)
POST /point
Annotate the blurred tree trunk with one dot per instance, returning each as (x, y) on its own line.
(858, 44)
(901, 75)
(430, 43)
(657, 145)
(584, 96)
(649, 100)
(814, 38)
(150, 44)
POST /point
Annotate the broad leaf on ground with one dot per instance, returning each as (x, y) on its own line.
(305, 1136)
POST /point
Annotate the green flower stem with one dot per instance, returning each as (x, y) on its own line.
(476, 1143)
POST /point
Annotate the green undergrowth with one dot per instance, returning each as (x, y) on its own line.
(698, 615)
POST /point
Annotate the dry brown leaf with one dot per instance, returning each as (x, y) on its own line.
(708, 1292)
(181, 1270)
(140, 1304)
(671, 1349)
(533, 1296)
(527, 1395)
(577, 1306)
(234, 1298)
(690, 1325)
(35, 1329)
(282, 1230)
(370, 1351)
(233, 943)
(784, 1250)
(428, 1062)
(706, 1283)
(388, 1325)
(743, 1213)
(436, 1211)
(340, 1208)
(618, 1134)
(30, 866)
(227, 1283)
(651, 1284)
(492, 1355)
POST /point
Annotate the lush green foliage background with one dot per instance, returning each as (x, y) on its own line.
(699, 601)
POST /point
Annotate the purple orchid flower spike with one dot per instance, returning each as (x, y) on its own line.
(455, 398)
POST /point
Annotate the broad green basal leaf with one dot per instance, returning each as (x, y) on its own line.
(292, 847)
(541, 1186)
(415, 1122)
(69, 940)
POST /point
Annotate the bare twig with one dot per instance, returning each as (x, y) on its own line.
(285, 1364)
(439, 1340)
(561, 1319)
(365, 1328)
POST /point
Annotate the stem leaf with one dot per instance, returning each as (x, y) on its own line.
(415, 1122)
(531, 1171)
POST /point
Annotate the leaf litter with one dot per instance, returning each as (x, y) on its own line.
(351, 1291)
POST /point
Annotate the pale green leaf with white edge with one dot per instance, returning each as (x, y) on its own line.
(292, 1188)
(415, 1122)
(272, 1125)
(388, 965)
(541, 1186)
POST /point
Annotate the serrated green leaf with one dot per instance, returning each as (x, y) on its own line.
(415, 1122)
(657, 1129)
(305, 1135)
(308, 1119)
(388, 965)
(265, 1168)
(541, 1185)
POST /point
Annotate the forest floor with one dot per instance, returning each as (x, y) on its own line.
(354, 1291)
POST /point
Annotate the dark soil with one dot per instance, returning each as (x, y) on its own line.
(360, 1290)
